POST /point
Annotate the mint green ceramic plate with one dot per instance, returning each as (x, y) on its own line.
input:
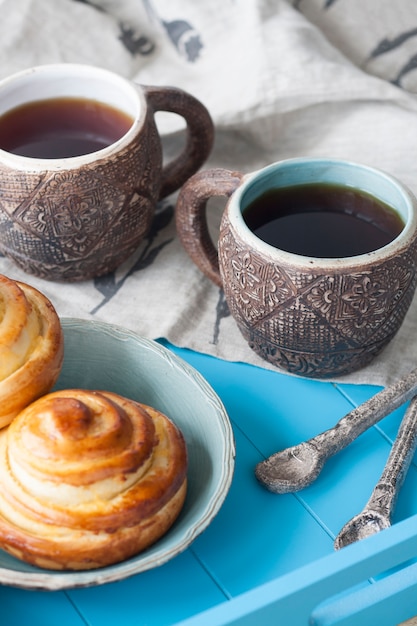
(104, 356)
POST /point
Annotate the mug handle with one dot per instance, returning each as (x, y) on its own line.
(199, 138)
(191, 216)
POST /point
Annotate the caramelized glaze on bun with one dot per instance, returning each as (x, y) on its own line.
(31, 347)
(88, 479)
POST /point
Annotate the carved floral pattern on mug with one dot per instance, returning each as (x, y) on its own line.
(353, 310)
(256, 287)
(68, 207)
(71, 215)
(357, 298)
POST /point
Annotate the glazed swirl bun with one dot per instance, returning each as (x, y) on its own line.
(31, 347)
(88, 479)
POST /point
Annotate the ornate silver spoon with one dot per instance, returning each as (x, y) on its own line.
(377, 512)
(297, 467)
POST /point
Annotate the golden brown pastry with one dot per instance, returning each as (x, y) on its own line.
(31, 347)
(87, 479)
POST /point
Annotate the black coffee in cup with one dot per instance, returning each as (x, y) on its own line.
(322, 220)
(61, 127)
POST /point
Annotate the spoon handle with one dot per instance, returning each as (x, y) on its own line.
(376, 515)
(385, 493)
(366, 415)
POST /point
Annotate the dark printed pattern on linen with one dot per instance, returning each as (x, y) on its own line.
(222, 311)
(181, 33)
(135, 43)
(387, 45)
(108, 286)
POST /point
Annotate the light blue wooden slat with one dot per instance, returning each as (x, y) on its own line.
(273, 409)
(159, 597)
(312, 595)
(257, 535)
(19, 607)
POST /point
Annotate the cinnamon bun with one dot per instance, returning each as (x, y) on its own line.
(88, 479)
(31, 347)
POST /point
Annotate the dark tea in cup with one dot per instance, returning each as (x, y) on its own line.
(61, 127)
(322, 220)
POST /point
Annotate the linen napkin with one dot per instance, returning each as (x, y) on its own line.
(334, 78)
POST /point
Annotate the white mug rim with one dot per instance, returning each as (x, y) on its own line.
(75, 70)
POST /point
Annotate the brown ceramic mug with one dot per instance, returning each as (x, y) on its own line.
(79, 214)
(315, 315)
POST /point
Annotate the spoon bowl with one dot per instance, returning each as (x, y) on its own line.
(361, 526)
(291, 469)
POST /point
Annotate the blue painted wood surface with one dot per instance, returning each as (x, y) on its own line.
(267, 559)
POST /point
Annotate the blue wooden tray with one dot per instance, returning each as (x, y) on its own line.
(266, 558)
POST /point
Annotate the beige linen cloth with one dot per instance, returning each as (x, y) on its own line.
(281, 78)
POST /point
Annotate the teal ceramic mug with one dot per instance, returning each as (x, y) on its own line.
(317, 258)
